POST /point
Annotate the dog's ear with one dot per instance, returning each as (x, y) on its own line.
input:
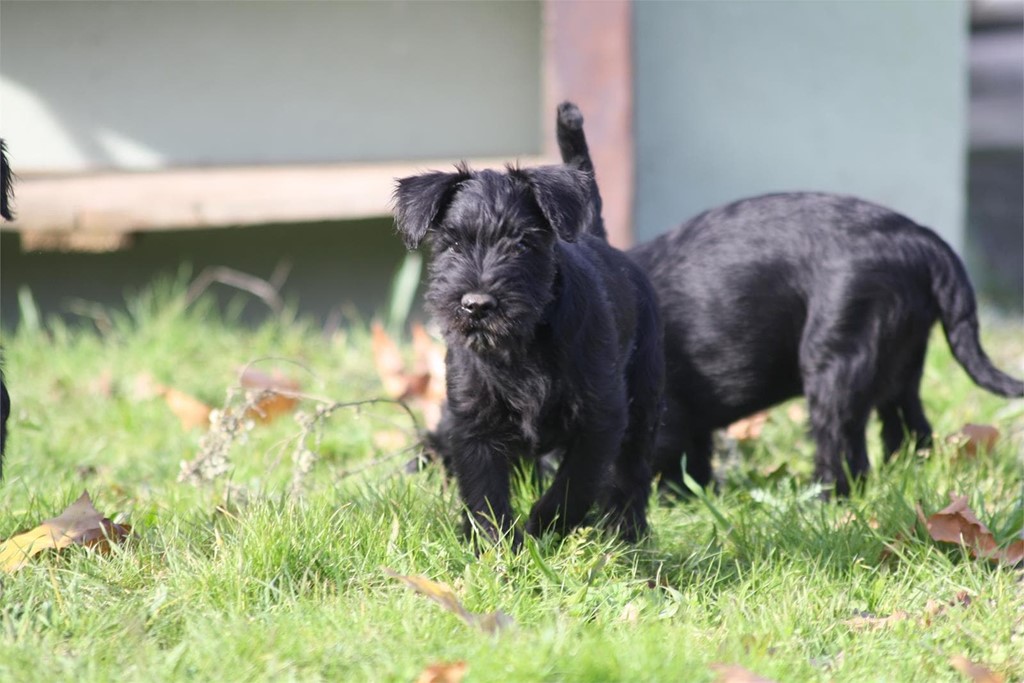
(563, 195)
(420, 202)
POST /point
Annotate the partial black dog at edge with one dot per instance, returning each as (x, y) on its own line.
(6, 195)
(554, 344)
(818, 294)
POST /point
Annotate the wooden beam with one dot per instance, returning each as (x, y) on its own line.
(99, 211)
(588, 59)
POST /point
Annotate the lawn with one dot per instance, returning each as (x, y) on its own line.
(242, 579)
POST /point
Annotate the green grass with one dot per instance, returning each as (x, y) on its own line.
(238, 581)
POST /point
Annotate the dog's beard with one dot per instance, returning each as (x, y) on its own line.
(504, 332)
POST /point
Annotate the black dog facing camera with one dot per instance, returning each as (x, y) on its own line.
(817, 294)
(554, 344)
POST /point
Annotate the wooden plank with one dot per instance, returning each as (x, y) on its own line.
(588, 58)
(99, 208)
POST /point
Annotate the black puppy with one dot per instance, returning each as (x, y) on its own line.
(817, 294)
(6, 194)
(554, 343)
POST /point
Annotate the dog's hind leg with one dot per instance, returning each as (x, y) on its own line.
(838, 421)
(676, 440)
(837, 375)
(904, 416)
(630, 486)
(904, 419)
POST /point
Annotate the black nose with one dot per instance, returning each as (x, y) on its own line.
(478, 305)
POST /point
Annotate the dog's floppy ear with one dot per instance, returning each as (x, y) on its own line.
(420, 202)
(563, 195)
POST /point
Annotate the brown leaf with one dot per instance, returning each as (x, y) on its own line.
(389, 363)
(79, 524)
(389, 440)
(190, 411)
(972, 437)
(446, 672)
(279, 398)
(430, 362)
(957, 523)
(423, 385)
(102, 385)
(748, 428)
(936, 608)
(867, 622)
(796, 412)
(734, 673)
(850, 516)
(144, 386)
(976, 672)
(492, 622)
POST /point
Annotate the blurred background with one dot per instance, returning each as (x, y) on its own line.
(264, 137)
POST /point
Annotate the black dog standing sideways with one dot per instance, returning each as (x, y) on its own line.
(554, 344)
(818, 294)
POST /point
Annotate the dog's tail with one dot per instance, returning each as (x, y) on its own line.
(572, 145)
(6, 186)
(958, 311)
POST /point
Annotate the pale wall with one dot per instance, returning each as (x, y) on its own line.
(741, 98)
(140, 85)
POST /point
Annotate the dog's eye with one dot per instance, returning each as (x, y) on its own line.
(520, 247)
(455, 247)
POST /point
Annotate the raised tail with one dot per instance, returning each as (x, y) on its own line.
(958, 311)
(572, 145)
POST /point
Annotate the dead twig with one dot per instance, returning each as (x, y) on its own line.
(231, 424)
(258, 287)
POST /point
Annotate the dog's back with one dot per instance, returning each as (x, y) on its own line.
(818, 294)
(742, 279)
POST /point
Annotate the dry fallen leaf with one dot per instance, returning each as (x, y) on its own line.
(797, 412)
(192, 412)
(423, 385)
(867, 622)
(390, 440)
(280, 397)
(734, 673)
(389, 363)
(936, 608)
(102, 385)
(492, 622)
(850, 516)
(430, 360)
(748, 428)
(957, 523)
(973, 437)
(79, 524)
(976, 672)
(446, 672)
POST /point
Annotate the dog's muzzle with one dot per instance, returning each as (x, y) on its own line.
(478, 305)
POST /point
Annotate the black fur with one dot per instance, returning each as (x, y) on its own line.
(806, 293)
(6, 186)
(6, 195)
(5, 411)
(554, 344)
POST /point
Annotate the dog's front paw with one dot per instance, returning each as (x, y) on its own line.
(631, 528)
(546, 515)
